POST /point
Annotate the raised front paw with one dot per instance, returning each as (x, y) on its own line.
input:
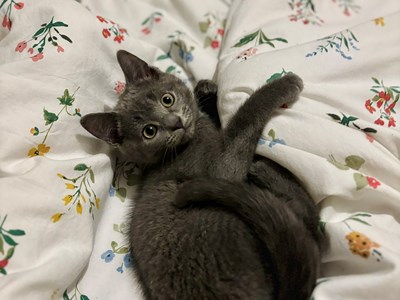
(288, 87)
(205, 88)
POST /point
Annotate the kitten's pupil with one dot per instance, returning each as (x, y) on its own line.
(149, 131)
(167, 100)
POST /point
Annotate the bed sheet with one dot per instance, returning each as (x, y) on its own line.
(64, 194)
(341, 139)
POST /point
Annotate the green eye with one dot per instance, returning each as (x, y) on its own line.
(167, 100)
(149, 131)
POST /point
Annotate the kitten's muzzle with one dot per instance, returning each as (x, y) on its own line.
(173, 122)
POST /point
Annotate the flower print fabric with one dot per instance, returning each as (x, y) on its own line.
(67, 193)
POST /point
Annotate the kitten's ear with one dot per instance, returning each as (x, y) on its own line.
(134, 68)
(103, 126)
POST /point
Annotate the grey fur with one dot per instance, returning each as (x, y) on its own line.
(196, 248)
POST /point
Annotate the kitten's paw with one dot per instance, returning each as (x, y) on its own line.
(293, 80)
(287, 87)
(205, 88)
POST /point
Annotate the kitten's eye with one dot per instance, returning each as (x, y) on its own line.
(167, 100)
(149, 131)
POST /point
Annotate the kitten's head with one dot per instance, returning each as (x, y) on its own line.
(156, 113)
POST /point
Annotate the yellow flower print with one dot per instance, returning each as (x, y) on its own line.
(79, 207)
(379, 21)
(70, 186)
(360, 244)
(97, 203)
(80, 191)
(50, 118)
(67, 199)
(56, 217)
(39, 151)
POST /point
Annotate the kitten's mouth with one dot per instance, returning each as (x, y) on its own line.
(181, 136)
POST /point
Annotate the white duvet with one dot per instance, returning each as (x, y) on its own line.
(63, 194)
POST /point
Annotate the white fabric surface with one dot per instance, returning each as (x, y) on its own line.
(53, 246)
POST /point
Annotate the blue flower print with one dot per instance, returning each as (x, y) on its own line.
(108, 256)
(111, 191)
(276, 141)
(120, 269)
(128, 261)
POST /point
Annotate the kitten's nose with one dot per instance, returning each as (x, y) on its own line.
(172, 121)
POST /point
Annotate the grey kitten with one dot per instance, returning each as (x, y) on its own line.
(204, 251)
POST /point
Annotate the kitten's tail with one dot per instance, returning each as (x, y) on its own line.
(293, 249)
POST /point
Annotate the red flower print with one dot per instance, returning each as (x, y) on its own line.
(369, 107)
(6, 22)
(384, 96)
(146, 30)
(379, 122)
(119, 87)
(214, 44)
(372, 182)
(122, 30)
(19, 5)
(60, 49)
(3, 263)
(30, 50)
(101, 19)
(305, 22)
(392, 122)
(220, 31)
(106, 33)
(370, 138)
(21, 46)
(119, 38)
(37, 57)
(346, 12)
(157, 20)
(388, 110)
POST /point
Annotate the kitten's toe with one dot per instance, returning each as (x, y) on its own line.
(205, 88)
(295, 80)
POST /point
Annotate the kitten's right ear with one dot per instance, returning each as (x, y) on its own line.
(103, 126)
(134, 68)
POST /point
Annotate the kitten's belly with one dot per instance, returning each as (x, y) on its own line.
(194, 251)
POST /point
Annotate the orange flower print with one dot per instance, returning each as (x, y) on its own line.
(112, 28)
(392, 122)
(369, 107)
(39, 151)
(360, 244)
(106, 33)
(385, 99)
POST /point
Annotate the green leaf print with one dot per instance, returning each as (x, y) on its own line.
(355, 162)
(49, 117)
(260, 38)
(80, 167)
(361, 181)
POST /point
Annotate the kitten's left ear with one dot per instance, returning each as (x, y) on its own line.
(103, 126)
(134, 68)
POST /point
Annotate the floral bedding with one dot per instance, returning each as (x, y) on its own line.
(64, 194)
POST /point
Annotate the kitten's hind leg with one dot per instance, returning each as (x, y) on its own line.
(244, 129)
(269, 175)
